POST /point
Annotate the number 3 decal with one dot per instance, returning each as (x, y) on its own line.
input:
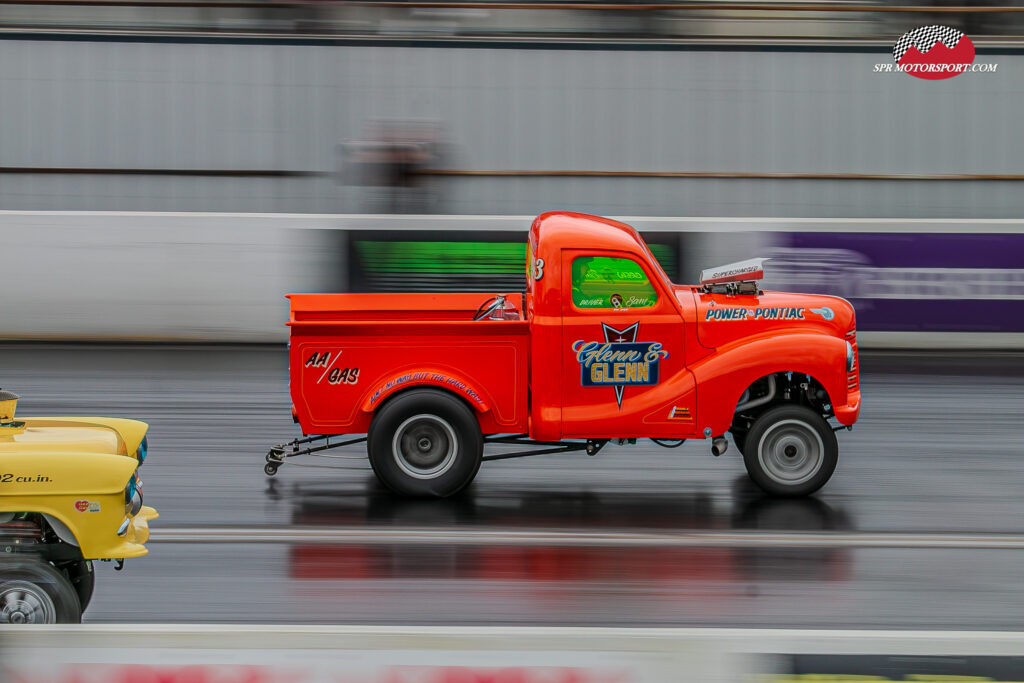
(538, 269)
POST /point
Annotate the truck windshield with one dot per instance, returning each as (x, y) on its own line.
(610, 282)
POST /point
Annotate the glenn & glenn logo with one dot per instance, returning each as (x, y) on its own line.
(933, 53)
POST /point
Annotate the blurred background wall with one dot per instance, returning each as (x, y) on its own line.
(175, 187)
(180, 124)
(190, 276)
(173, 277)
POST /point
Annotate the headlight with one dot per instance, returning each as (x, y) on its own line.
(143, 449)
(850, 358)
(133, 495)
(131, 490)
(135, 506)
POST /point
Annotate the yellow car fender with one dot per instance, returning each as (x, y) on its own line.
(129, 432)
(84, 491)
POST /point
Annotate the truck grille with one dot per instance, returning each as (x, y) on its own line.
(853, 377)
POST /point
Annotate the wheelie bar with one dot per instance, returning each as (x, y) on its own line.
(277, 454)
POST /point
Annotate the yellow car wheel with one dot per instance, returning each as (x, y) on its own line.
(83, 578)
(34, 592)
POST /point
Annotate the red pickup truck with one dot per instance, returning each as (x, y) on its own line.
(600, 347)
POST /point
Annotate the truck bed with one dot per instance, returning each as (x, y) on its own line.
(350, 352)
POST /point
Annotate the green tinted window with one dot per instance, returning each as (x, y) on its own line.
(609, 282)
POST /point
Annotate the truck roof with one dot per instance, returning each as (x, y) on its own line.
(569, 230)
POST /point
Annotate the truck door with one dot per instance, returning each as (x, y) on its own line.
(623, 373)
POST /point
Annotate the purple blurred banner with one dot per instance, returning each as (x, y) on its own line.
(910, 281)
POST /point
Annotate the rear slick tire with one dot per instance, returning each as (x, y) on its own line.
(425, 442)
(790, 451)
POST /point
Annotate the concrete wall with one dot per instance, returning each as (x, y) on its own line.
(158, 277)
(223, 277)
(212, 104)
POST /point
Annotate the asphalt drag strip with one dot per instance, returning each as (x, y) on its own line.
(449, 584)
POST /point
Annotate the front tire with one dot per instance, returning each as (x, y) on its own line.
(34, 592)
(739, 438)
(790, 451)
(83, 578)
(425, 442)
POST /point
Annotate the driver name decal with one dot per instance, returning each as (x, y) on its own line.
(619, 361)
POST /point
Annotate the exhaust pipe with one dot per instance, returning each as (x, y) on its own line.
(745, 402)
(719, 445)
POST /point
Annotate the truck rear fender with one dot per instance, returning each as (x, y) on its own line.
(442, 378)
(723, 377)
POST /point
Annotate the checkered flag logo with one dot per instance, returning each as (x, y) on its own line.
(924, 39)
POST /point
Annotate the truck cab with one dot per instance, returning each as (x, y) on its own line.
(600, 346)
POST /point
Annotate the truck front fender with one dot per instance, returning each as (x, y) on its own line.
(723, 376)
(443, 378)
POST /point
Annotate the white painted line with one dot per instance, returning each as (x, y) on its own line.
(611, 539)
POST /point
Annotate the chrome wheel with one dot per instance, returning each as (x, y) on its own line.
(22, 602)
(425, 446)
(791, 452)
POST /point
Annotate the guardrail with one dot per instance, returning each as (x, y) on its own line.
(374, 654)
(502, 19)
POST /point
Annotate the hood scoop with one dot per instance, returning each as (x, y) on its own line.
(741, 277)
(8, 404)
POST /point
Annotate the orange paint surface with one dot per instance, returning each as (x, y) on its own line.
(558, 371)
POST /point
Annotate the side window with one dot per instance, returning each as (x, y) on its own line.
(534, 267)
(529, 266)
(610, 282)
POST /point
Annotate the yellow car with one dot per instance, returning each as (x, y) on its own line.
(70, 493)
